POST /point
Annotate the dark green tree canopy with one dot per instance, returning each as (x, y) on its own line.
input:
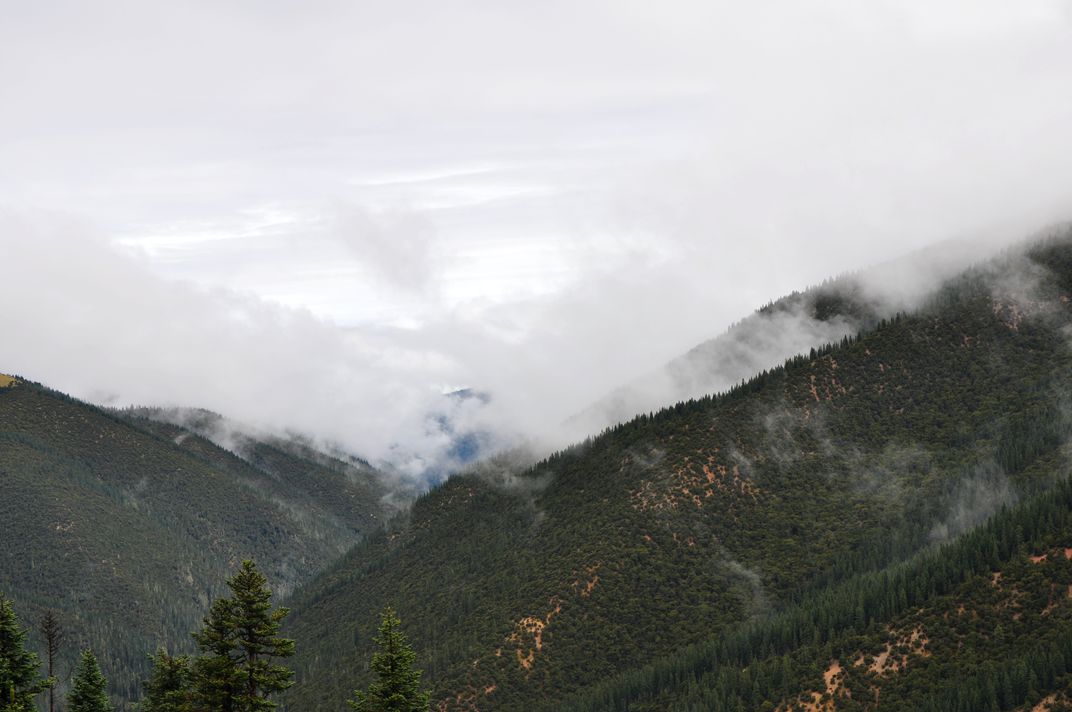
(168, 687)
(239, 644)
(88, 693)
(20, 680)
(397, 687)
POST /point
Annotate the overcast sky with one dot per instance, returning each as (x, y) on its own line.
(323, 214)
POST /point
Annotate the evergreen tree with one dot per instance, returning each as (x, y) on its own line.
(397, 685)
(168, 687)
(20, 680)
(88, 693)
(239, 642)
(215, 672)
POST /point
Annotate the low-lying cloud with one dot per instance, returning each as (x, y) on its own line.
(86, 319)
(325, 217)
(98, 323)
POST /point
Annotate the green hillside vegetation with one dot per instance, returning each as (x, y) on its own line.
(128, 528)
(880, 524)
(340, 498)
(795, 323)
(838, 307)
(523, 586)
(982, 623)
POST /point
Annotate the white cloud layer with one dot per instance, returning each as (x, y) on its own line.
(318, 214)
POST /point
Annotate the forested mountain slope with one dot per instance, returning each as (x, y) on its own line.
(524, 588)
(826, 313)
(128, 528)
(341, 490)
(982, 623)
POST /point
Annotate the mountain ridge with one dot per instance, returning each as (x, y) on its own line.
(898, 428)
(795, 323)
(129, 528)
(525, 582)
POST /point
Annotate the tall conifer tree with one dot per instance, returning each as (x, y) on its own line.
(216, 670)
(240, 642)
(397, 687)
(20, 679)
(88, 694)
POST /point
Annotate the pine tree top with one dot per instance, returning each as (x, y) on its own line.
(239, 641)
(397, 687)
(88, 694)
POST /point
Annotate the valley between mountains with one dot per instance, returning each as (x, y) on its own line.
(881, 522)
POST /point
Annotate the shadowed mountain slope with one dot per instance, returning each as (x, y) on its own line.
(128, 528)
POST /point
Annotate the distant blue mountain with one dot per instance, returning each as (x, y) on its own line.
(466, 446)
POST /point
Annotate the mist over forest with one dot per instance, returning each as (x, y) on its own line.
(596, 356)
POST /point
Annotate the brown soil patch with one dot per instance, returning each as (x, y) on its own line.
(1045, 704)
(585, 588)
(879, 665)
(898, 651)
(528, 635)
(1039, 558)
(818, 701)
(693, 482)
(832, 677)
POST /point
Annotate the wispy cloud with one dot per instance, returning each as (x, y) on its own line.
(326, 212)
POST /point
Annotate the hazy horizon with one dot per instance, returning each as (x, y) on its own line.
(323, 217)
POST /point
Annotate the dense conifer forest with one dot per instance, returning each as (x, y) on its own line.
(881, 523)
(523, 588)
(126, 529)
